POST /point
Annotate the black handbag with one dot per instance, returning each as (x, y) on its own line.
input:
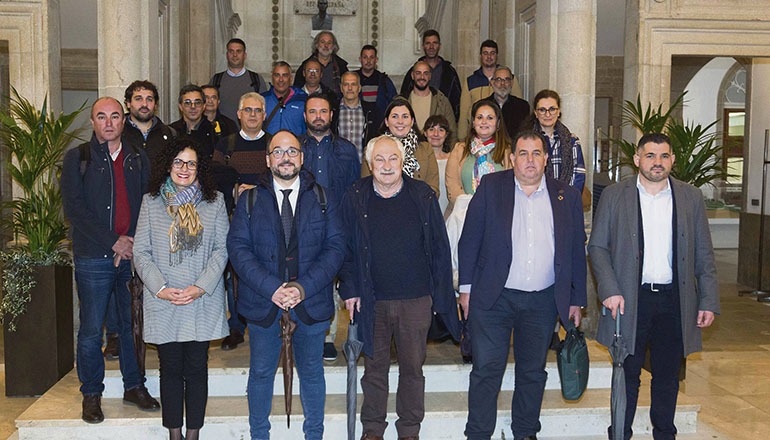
(573, 364)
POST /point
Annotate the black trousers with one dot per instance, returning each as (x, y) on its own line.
(659, 325)
(183, 382)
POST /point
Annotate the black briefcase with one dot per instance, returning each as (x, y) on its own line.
(573, 364)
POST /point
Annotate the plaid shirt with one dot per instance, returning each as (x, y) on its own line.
(351, 125)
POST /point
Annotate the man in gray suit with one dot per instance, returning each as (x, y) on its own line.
(651, 253)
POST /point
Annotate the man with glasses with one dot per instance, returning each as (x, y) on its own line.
(313, 74)
(286, 244)
(192, 123)
(284, 104)
(479, 85)
(515, 110)
(223, 126)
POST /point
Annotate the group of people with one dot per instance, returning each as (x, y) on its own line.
(336, 186)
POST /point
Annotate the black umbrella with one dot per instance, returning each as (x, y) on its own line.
(618, 352)
(352, 349)
(136, 288)
(288, 327)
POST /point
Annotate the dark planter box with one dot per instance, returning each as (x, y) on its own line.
(40, 351)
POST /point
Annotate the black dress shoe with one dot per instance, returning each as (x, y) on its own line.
(140, 397)
(232, 341)
(529, 437)
(92, 409)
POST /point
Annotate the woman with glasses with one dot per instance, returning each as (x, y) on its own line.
(180, 255)
(565, 155)
(485, 150)
(419, 159)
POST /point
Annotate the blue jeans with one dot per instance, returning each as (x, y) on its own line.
(531, 316)
(98, 280)
(265, 348)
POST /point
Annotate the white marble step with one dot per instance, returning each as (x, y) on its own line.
(439, 379)
(56, 415)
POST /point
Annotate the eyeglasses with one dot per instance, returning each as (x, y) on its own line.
(542, 111)
(212, 98)
(291, 152)
(499, 80)
(252, 110)
(312, 70)
(191, 103)
(178, 164)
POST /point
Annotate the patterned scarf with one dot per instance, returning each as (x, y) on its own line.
(186, 231)
(484, 163)
(411, 166)
(561, 160)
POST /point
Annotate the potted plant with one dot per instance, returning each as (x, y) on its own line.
(36, 307)
(697, 153)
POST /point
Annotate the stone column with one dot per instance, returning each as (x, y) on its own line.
(466, 58)
(125, 54)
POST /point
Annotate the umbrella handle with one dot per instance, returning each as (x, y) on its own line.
(617, 319)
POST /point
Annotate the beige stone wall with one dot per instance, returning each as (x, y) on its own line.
(609, 84)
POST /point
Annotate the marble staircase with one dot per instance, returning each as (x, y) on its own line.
(56, 415)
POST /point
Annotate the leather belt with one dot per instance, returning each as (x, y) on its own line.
(658, 287)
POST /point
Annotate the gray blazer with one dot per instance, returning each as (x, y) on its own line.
(204, 319)
(614, 254)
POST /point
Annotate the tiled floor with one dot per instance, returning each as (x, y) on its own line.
(730, 379)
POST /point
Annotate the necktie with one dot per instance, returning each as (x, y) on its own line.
(287, 217)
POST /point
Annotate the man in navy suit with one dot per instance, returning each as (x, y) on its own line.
(522, 264)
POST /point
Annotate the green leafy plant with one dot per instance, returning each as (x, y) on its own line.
(36, 141)
(698, 156)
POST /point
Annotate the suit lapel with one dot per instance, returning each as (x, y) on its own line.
(507, 200)
(560, 213)
(630, 210)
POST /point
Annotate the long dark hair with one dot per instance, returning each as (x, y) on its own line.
(399, 101)
(439, 120)
(162, 169)
(502, 141)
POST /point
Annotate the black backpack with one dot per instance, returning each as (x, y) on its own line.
(256, 84)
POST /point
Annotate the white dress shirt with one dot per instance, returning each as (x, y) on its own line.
(657, 214)
(532, 236)
(292, 196)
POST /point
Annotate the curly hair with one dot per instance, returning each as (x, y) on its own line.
(166, 156)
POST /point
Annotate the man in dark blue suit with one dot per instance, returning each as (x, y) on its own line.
(522, 264)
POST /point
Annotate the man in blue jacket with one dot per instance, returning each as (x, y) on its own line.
(284, 104)
(398, 271)
(286, 248)
(522, 265)
(102, 184)
(335, 166)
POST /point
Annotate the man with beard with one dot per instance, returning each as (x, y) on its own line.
(325, 50)
(286, 243)
(651, 252)
(335, 165)
(444, 76)
(479, 85)
(284, 105)
(427, 101)
(142, 127)
(515, 110)
(237, 79)
(192, 123)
